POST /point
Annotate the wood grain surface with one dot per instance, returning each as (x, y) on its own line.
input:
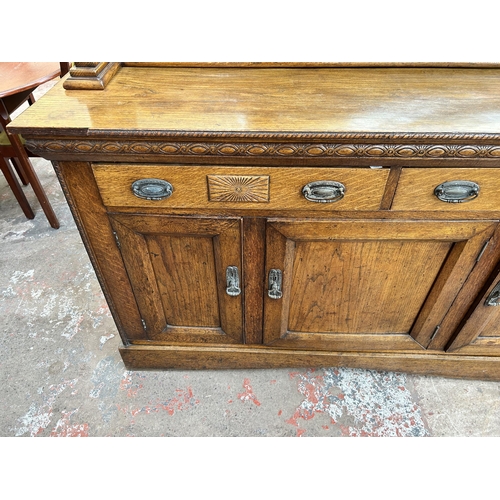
(177, 267)
(220, 357)
(411, 100)
(364, 186)
(416, 186)
(347, 282)
(97, 234)
(19, 76)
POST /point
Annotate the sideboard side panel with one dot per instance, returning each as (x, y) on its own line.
(83, 197)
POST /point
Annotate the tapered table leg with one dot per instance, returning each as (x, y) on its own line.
(34, 181)
(16, 188)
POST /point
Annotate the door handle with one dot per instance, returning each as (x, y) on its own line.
(274, 282)
(233, 281)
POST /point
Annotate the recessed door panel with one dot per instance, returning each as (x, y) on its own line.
(185, 268)
(370, 286)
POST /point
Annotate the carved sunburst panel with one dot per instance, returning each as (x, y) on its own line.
(238, 188)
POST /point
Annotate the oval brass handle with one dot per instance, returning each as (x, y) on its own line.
(457, 191)
(323, 191)
(152, 189)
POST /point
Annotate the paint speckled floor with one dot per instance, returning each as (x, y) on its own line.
(61, 373)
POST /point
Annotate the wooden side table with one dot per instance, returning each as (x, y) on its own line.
(17, 82)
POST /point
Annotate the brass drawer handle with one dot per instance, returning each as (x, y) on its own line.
(494, 297)
(457, 191)
(323, 191)
(152, 189)
(233, 281)
(274, 282)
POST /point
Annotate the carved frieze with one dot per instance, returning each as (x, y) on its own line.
(263, 149)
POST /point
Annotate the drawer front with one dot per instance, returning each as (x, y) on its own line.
(243, 187)
(478, 189)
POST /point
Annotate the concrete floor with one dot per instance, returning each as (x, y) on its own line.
(62, 375)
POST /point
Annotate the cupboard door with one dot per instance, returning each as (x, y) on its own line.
(480, 332)
(365, 285)
(186, 275)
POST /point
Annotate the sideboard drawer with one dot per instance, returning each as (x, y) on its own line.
(326, 189)
(478, 189)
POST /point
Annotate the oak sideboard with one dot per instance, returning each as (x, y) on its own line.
(286, 215)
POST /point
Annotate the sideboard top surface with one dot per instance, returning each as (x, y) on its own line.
(274, 100)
